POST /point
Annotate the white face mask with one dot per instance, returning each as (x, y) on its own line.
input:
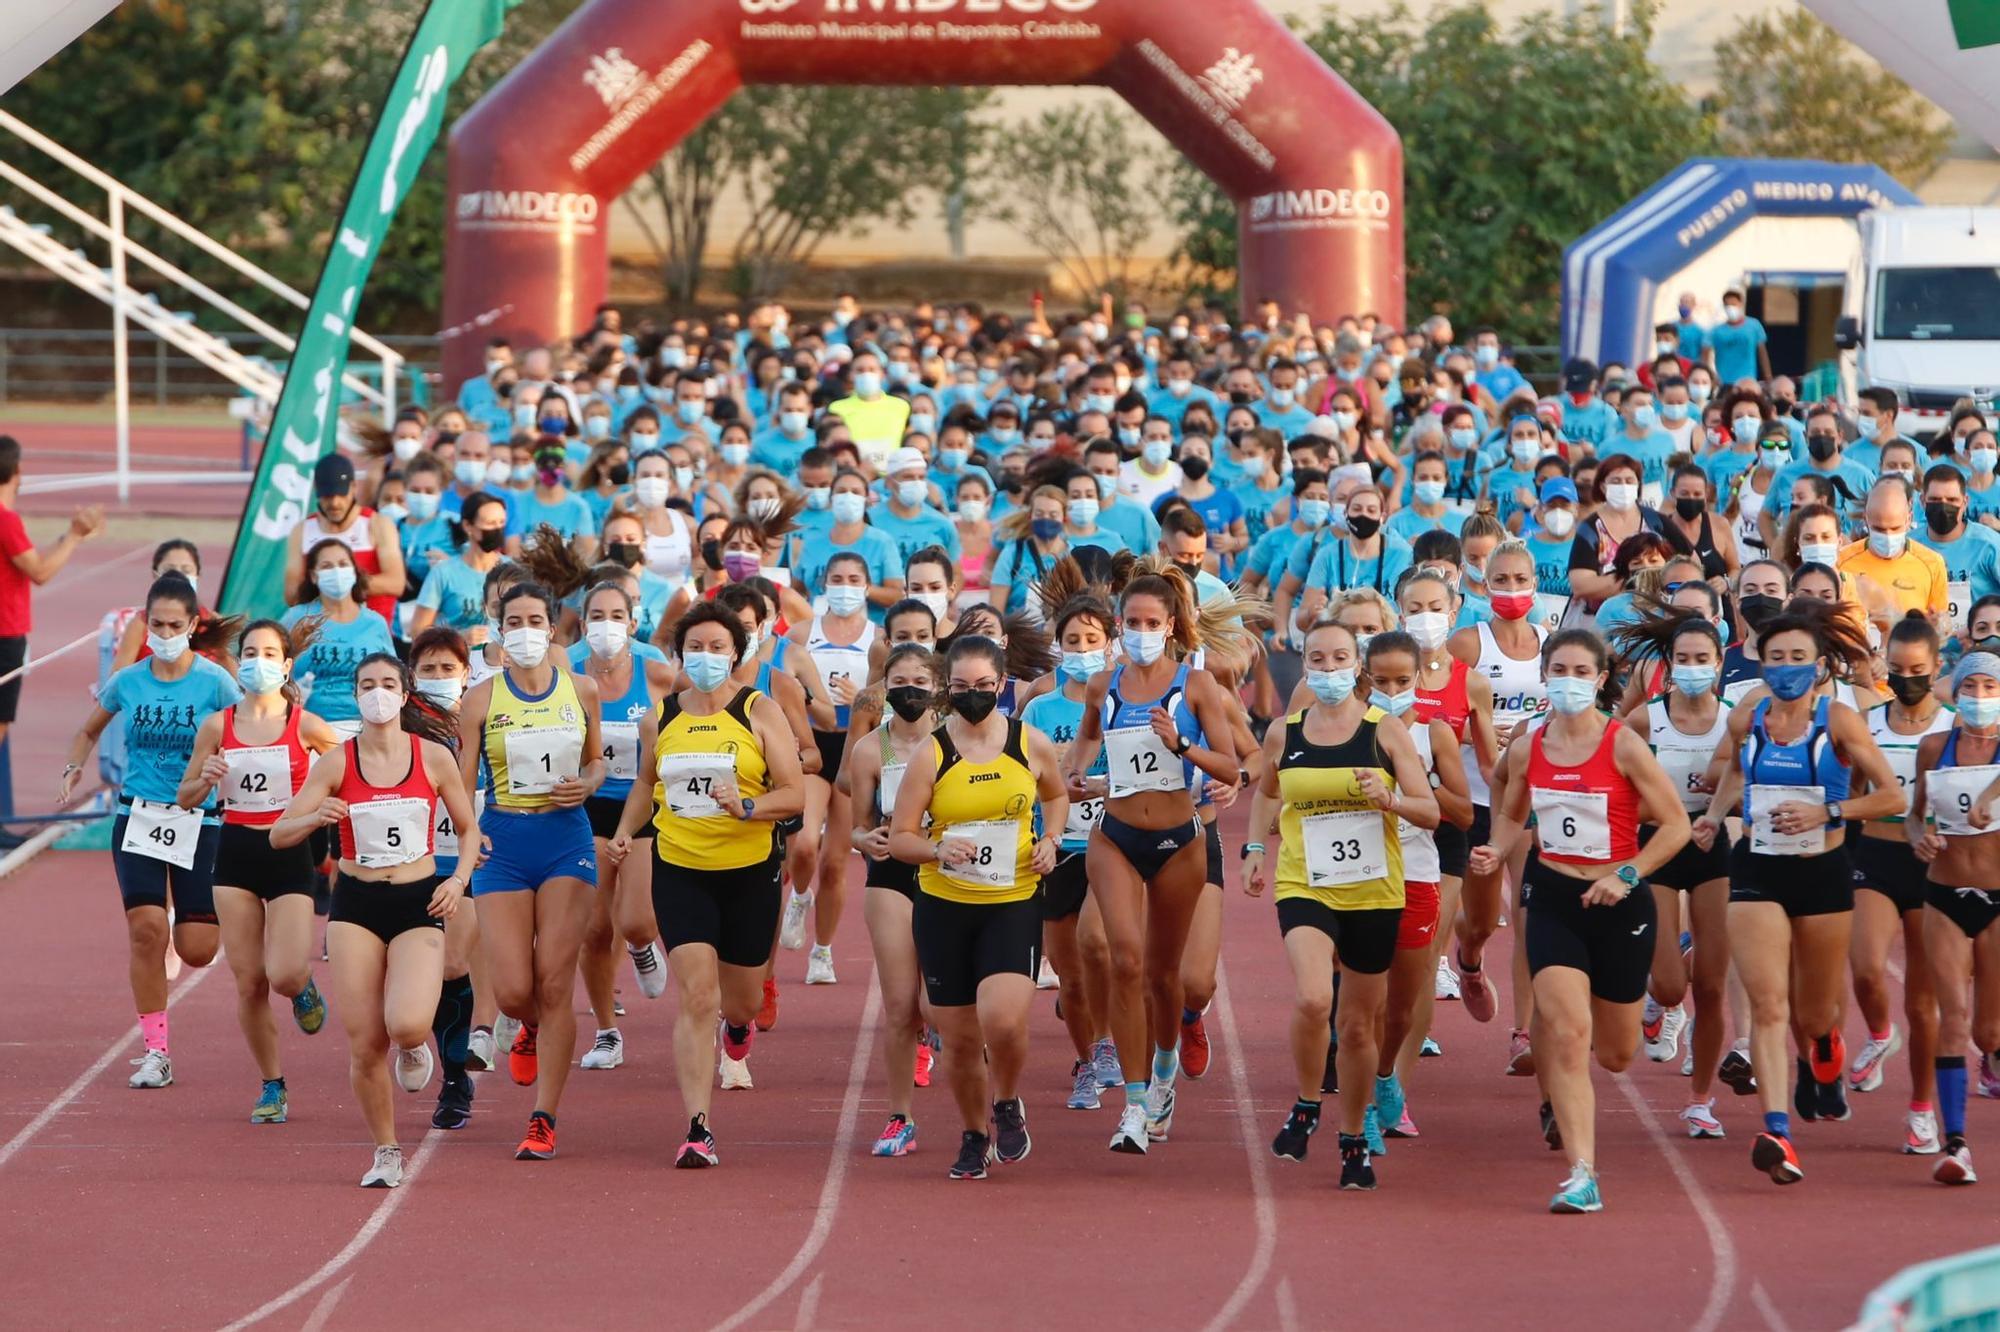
(1429, 628)
(525, 647)
(939, 603)
(445, 693)
(1621, 496)
(1145, 646)
(168, 650)
(380, 706)
(1559, 522)
(972, 510)
(606, 637)
(651, 491)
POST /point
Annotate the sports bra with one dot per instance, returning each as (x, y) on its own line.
(1136, 763)
(1808, 761)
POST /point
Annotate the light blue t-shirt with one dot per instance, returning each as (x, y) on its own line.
(877, 548)
(457, 592)
(774, 449)
(569, 514)
(1407, 524)
(1974, 558)
(925, 527)
(1779, 498)
(1735, 347)
(1336, 568)
(1059, 718)
(1133, 522)
(632, 708)
(334, 656)
(1651, 453)
(1162, 403)
(1592, 423)
(161, 718)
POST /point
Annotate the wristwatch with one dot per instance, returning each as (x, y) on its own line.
(1629, 877)
(749, 808)
(1833, 815)
(1182, 744)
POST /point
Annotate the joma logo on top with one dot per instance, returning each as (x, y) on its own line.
(923, 6)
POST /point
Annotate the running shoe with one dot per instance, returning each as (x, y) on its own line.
(505, 1029)
(1829, 1057)
(1651, 1019)
(522, 1063)
(1371, 1131)
(1701, 1121)
(1131, 1135)
(736, 1041)
(155, 1070)
(1687, 1062)
(1476, 991)
(1046, 978)
(1194, 1046)
(975, 1151)
(1329, 1076)
(649, 966)
(1776, 1157)
(309, 1008)
(793, 933)
(1405, 1127)
(617, 1007)
(1672, 1023)
(414, 1068)
(1833, 1101)
(897, 1138)
(607, 1051)
(1011, 1143)
(272, 1104)
(736, 1075)
(1805, 1093)
(698, 1152)
(819, 965)
(481, 1053)
(1736, 1071)
(1083, 1089)
(454, 1103)
(767, 1013)
(1446, 985)
(1551, 1132)
(1989, 1078)
(1296, 1135)
(926, 1060)
(1520, 1055)
(1865, 1073)
(1159, 1108)
(1921, 1138)
(1356, 1170)
(1389, 1099)
(540, 1142)
(1955, 1166)
(387, 1172)
(1578, 1193)
(1430, 1050)
(1104, 1057)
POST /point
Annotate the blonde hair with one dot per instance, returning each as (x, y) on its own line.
(1513, 545)
(1364, 596)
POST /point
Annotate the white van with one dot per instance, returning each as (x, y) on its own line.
(1923, 312)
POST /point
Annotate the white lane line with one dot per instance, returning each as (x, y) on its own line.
(89, 1075)
(1762, 1299)
(1263, 1206)
(809, 1305)
(1288, 1306)
(324, 1309)
(373, 1226)
(844, 1148)
(1722, 1285)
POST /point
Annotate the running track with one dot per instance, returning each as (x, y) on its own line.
(169, 1210)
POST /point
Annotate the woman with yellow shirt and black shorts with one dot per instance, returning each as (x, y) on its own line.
(535, 726)
(965, 815)
(1337, 778)
(724, 770)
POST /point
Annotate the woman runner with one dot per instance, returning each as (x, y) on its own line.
(334, 596)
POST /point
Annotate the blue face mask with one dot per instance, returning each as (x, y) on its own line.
(596, 427)
(1394, 704)
(924, 423)
(1694, 681)
(1082, 512)
(1145, 646)
(1003, 435)
(707, 669)
(469, 472)
(1570, 694)
(848, 507)
(260, 675)
(523, 473)
(1045, 529)
(910, 494)
(1463, 438)
(951, 459)
(1105, 485)
(335, 582)
(792, 423)
(818, 497)
(553, 425)
(1428, 492)
(1080, 666)
(690, 411)
(1791, 682)
(1674, 411)
(1314, 512)
(628, 393)
(845, 598)
(1644, 417)
(1331, 686)
(735, 455)
(423, 505)
(1979, 712)
(1156, 452)
(524, 416)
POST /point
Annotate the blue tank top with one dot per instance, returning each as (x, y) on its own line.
(777, 660)
(619, 719)
(1060, 718)
(1811, 761)
(1117, 713)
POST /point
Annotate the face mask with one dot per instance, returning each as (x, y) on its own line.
(1791, 682)
(335, 582)
(753, 643)
(596, 427)
(1523, 451)
(1363, 525)
(1559, 522)
(1394, 704)
(1979, 712)
(951, 459)
(974, 705)
(1774, 456)
(380, 706)
(1474, 574)
(1145, 646)
(1005, 435)
(1486, 357)
(521, 474)
(491, 539)
(1571, 695)
(1759, 607)
(445, 693)
(818, 498)
(1194, 467)
(260, 675)
(1083, 512)
(552, 425)
(1674, 411)
(1621, 496)
(1254, 468)
(973, 510)
(735, 455)
(1045, 529)
(1099, 402)
(1984, 460)
(628, 553)
(1345, 421)
(1910, 690)
(867, 384)
(606, 637)
(673, 358)
(792, 423)
(1745, 428)
(923, 423)
(738, 565)
(684, 477)
(1462, 438)
(1105, 484)
(691, 411)
(1283, 398)
(525, 647)
(628, 393)
(169, 650)
(1940, 516)
(845, 598)
(1428, 492)
(909, 701)
(499, 472)
(1180, 388)
(1694, 681)
(706, 670)
(1331, 686)
(1512, 605)
(1155, 452)
(911, 494)
(1689, 509)
(1429, 628)
(848, 507)
(645, 441)
(406, 449)
(423, 505)
(394, 512)
(652, 491)
(1822, 552)
(469, 472)
(1733, 313)
(1080, 666)
(1887, 545)
(1314, 512)
(524, 417)
(764, 508)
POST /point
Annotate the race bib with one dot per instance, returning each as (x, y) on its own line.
(1685, 767)
(162, 832)
(444, 833)
(1140, 761)
(1576, 824)
(259, 780)
(388, 833)
(889, 787)
(840, 664)
(994, 844)
(1958, 600)
(540, 756)
(1084, 816)
(1903, 762)
(687, 782)
(1953, 792)
(1344, 847)
(1550, 607)
(621, 749)
(1768, 841)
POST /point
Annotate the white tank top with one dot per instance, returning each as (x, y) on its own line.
(1518, 692)
(1420, 848)
(1749, 504)
(1685, 757)
(359, 538)
(848, 659)
(671, 555)
(1901, 750)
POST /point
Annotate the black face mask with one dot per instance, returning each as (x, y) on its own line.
(627, 553)
(975, 705)
(1942, 517)
(1783, 406)
(1689, 509)
(1235, 437)
(1194, 469)
(1239, 398)
(1821, 447)
(1990, 643)
(909, 701)
(618, 474)
(1759, 608)
(1189, 567)
(491, 538)
(1910, 689)
(1363, 527)
(711, 553)
(1011, 483)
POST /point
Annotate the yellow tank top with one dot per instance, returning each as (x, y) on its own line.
(993, 806)
(692, 752)
(1334, 846)
(532, 742)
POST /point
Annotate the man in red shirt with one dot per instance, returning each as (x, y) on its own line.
(26, 568)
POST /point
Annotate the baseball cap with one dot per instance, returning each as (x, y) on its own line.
(1579, 374)
(1558, 488)
(902, 460)
(333, 475)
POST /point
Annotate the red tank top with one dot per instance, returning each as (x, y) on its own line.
(1597, 776)
(359, 538)
(1449, 704)
(415, 785)
(254, 785)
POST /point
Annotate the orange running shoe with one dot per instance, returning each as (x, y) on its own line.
(767, 1016)
(521, 1060)
(540, 1144)
(1194, 1046)
(925, 1058)
(1828, 1057)
(1776, 1157)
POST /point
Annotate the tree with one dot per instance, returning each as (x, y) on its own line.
(1809, 92)
(1515, 142)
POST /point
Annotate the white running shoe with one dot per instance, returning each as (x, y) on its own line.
(155, 1070)
(649, 964)
(1701, 1121)
(1652, 1013)
(505, 1029)
(607, 1051)
(414, 1068)
(1447, 979)
(1131, 1135)
(736, 1075)
(1922, 1136)
(1687, 1062)
(480, 1051)
(1160, 1107)
(793, 934)
(1045, 978)
(387, 1172)
(819, 965)
(1864, 1071)
(1668, 1043)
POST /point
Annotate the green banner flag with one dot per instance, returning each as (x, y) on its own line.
(305, 425)
(1975, 23)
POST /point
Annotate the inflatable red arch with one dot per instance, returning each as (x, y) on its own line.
(536, 166)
